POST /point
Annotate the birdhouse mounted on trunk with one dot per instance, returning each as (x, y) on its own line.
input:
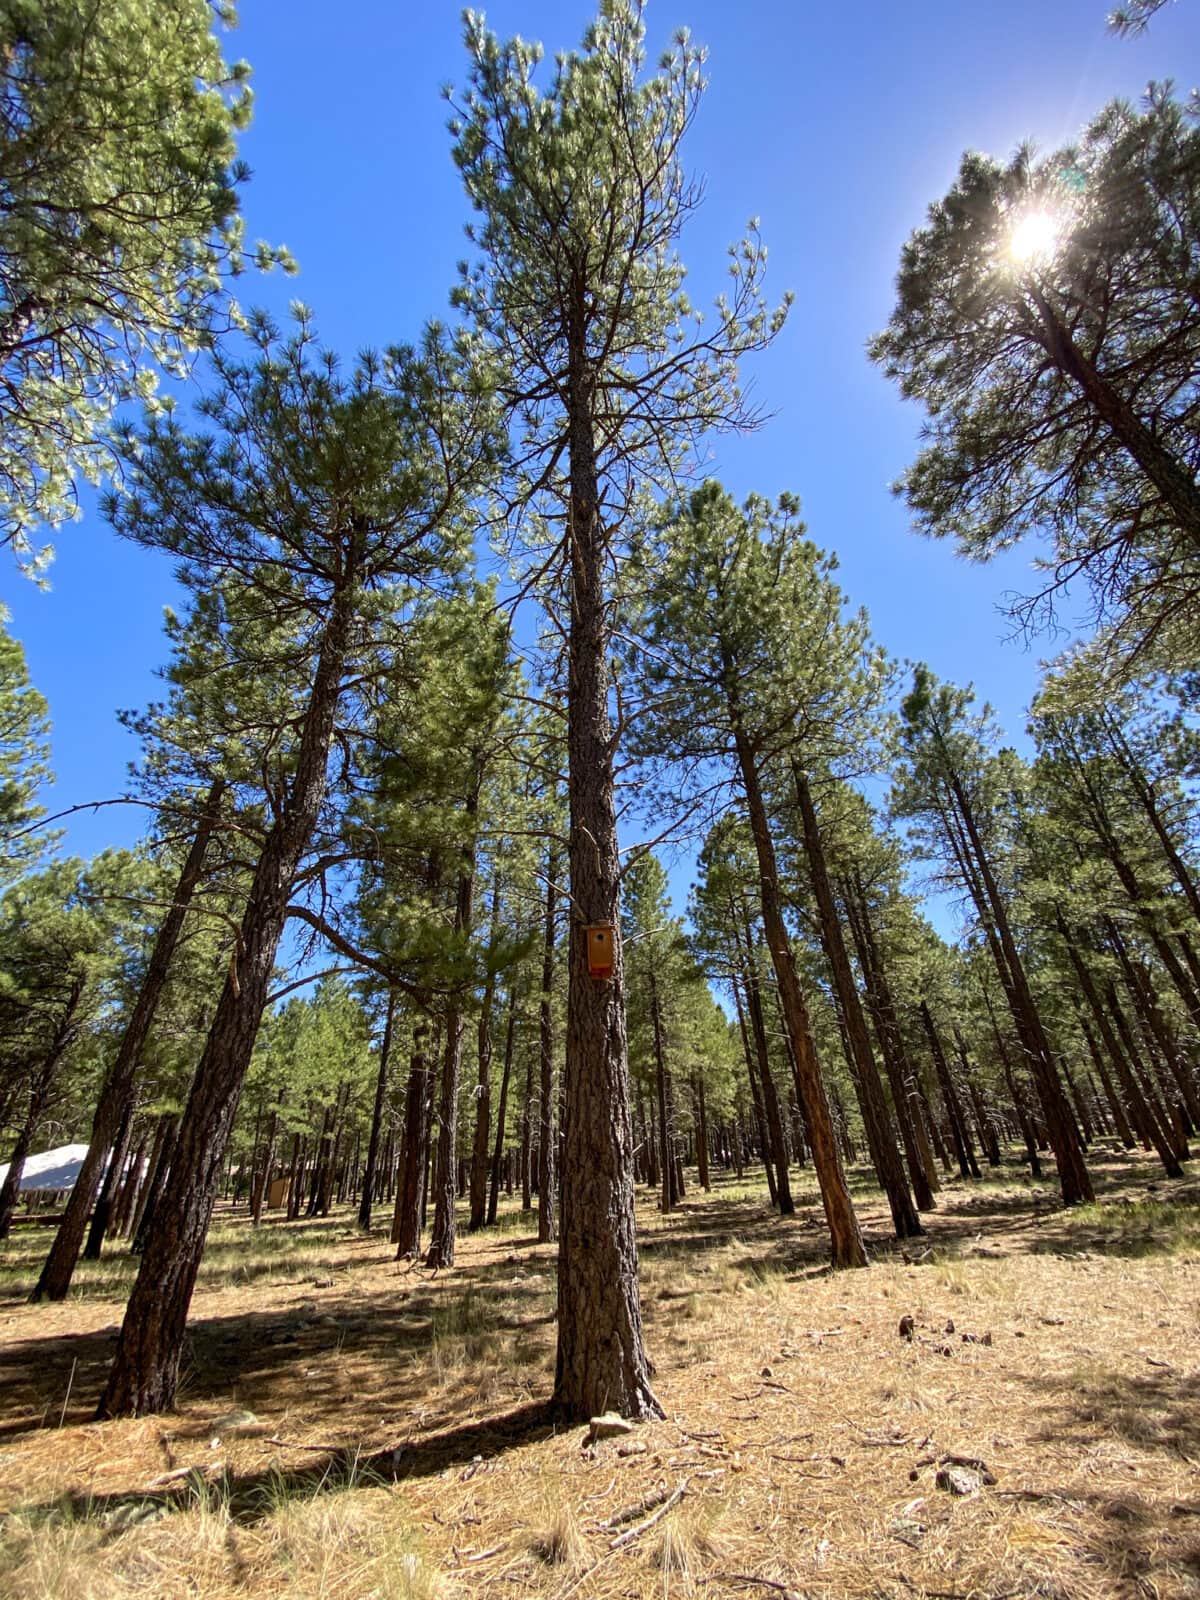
(600, 949)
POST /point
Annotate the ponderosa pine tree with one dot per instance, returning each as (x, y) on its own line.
(866, 868)
(1046, 318)
(581, 198)
(512, 816)
(1134, 18)
(55, 1278)
(119, 225)
(877, 1123)
(65, 935)
(724, 911)
(24, 761)
(949, 785)
(480, 683)
(375, 1136)
(651, 936)
(1130, 812)
(419, 821)
(328, 500)
(748, 661)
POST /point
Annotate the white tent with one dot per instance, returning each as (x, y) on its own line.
(51, 1170)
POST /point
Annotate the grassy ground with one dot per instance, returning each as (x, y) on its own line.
(402, 1447)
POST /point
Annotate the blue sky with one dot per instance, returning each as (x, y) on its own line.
(835, 126)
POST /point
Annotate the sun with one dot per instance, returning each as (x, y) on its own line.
(1035, 237)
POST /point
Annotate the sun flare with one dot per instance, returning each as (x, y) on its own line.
(1035, 237)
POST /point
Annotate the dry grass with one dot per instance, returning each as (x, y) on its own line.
(405, 1452)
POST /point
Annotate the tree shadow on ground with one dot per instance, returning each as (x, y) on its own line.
(1004, 1214)
(328, 1336)
(1158, 1412)
(471, 1449)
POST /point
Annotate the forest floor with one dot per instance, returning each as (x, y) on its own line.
(400, 1445)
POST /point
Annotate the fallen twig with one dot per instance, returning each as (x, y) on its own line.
(634, 1533)
(318, 1449)
(485, 1555)
(765, 1583)
(639, 1509)
(67, 1397)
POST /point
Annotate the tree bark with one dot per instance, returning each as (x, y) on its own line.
(847, 1248)
(1074, 1179)
(502, 1111)
(881, 1140)
(414, 1159)
(963, 1149)
(547, 1176)
(160, 1167)
(909, 1112)
(601, 1361)
(162, 1132)
(381, 1087)
(135, 1180)
(760, 1116)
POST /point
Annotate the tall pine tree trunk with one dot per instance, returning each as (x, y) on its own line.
(160, 1166)
(547, 1175)
(55, 1278)
(381, 1086)
(441, 1243)
(760, 1116)
(502, 1111)
(665, 1149)
(847, 1248)
(1140, 1113)
(777, 1143)
(700, 1113)
(1074, 1180)
(601, 1361)
(881, 1140)
(483, 1089)
(909, 1112)
(959, 1133)
(145, 1371)
(414, 1158)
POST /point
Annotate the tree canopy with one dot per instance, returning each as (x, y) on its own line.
(1046, 319)
(119, 226)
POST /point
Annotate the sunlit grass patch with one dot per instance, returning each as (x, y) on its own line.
(687, 1545)
(556, 1538)
(341, 1535)
(1137, 1227)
